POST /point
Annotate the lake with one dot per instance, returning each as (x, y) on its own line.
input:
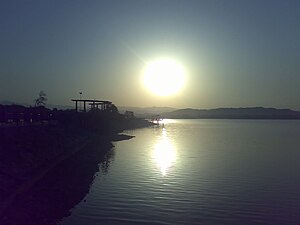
(199, 172)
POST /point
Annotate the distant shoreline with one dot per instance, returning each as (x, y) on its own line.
(234, 113)
(227, 118)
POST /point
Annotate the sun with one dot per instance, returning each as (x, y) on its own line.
(164, 77)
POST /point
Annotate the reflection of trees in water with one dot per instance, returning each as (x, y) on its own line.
(60, 190)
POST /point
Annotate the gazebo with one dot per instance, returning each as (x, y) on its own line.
(95, 104)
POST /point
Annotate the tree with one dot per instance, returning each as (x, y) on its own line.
(113, 108)
(41, 100)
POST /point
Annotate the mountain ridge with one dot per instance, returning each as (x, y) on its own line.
(233, 113)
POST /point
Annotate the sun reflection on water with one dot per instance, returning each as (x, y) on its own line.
(164, 153)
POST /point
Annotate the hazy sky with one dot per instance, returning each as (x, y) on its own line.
(236, 53)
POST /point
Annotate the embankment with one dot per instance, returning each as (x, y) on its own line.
(41, 165)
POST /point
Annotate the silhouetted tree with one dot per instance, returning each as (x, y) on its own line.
(113, 109)
(41, 100)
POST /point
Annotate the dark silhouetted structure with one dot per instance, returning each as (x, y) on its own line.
(96, 105)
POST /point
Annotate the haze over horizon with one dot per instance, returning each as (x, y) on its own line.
(235, 53)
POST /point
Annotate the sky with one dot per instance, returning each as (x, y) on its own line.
(235, 53)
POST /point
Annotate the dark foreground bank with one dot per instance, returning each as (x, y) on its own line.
(61, 188)
(46, 169)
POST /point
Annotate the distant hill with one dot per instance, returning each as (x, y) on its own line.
(233, 113)
(146, 111)
(5, 102)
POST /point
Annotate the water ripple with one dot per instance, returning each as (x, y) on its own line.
(200, 172)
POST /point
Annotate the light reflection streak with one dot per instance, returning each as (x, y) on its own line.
(164, 153)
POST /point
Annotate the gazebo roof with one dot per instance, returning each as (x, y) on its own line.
(92, 101)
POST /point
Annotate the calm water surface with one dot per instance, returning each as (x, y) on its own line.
(199, 172)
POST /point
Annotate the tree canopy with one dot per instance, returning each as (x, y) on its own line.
(41, 100)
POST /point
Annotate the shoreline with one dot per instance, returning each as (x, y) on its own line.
(34, 152)
(121, 137)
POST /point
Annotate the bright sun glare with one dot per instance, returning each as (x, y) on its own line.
(164, 153)
(164, 77)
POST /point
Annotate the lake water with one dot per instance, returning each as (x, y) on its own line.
(199, 172)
